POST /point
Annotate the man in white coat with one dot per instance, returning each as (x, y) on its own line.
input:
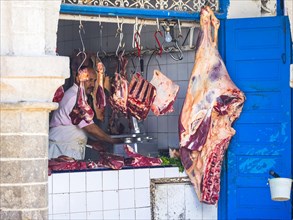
(71, 140)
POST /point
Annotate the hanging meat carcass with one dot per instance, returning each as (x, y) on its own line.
(99, 97)
(119, 88)
(213, 102)
(166, 93)
(81, 110)
(140, 97)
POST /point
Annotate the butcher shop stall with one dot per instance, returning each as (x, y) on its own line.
(200, 103)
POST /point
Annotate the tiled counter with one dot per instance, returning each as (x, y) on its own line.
(112, 194)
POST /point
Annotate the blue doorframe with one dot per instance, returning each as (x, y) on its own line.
(257, 55)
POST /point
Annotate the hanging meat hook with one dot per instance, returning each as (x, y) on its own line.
(101, 50)
(81, 29)
(158, 31)
(137, 43)
(119, 33)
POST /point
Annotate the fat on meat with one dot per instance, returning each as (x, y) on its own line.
(99, 96)
(81, 110)
(213, 102)
(166, 93)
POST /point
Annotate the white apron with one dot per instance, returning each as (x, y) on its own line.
(67, 140)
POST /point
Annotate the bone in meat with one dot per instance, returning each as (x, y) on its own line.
(166, 93)
(141, 96)
(213, 102)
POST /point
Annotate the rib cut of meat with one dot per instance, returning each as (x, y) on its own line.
(119, 88)
(81, 110)
(166, 93)
(138, 160)
(99, 97)
(212, 104)
(141, 96)
(58, 94)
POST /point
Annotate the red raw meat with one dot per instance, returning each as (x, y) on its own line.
(81, 110)
(58, 94)
(213, 102)
(99, 97)
(112, 161)
(119, 88)
(138, 160)
(141, 96)
(166, 93)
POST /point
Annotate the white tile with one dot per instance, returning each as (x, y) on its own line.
(60, 183)
(143, 213)
(60, 203)
(110, 200)
(142, 197)
(61, 217)
(78, 202)
(127, 214)
(171, 172)
(94, 201)
(160, 202)
(50, 204)
(94, 181)
(176, 201)
(209, 212)
(142, 178)
(182, 174)
(193, 208)
(126, 179)
(78, 216)
(126, 198)
(50, 184)
(95, 215)
(50, 217)
(77, 182)
(156, 173)
(111, 215)
(110, 180)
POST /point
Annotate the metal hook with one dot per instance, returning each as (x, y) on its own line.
(120, 33)
(83, 47)
(101, 40)
(179, 55)
(158, 42)
(137, 44)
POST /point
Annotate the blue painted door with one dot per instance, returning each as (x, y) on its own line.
(258, 60)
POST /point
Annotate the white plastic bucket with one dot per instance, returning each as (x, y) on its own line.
(280, 188)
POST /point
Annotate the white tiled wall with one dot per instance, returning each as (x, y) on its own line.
(108, 194)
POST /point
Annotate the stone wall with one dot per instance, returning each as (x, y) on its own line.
(30, 73)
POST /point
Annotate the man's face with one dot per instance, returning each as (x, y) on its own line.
(90, 83)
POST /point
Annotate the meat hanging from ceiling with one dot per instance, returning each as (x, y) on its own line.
(213, 102)
(98, 95)
(81, 110)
